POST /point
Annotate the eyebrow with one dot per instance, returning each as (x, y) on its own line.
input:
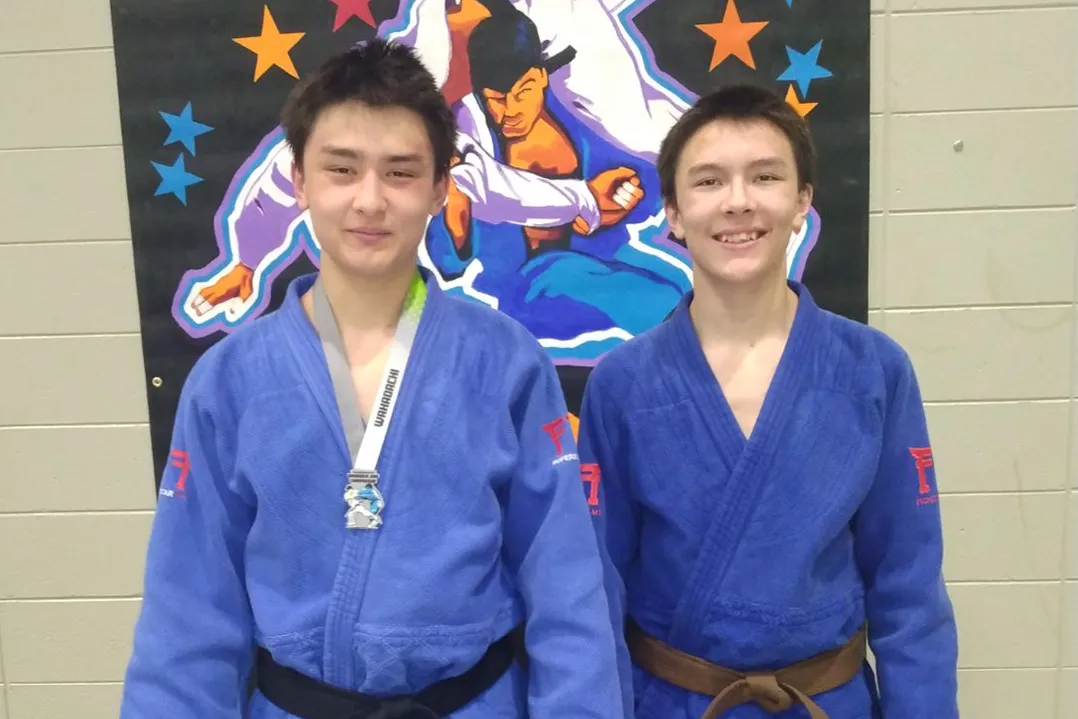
(350, 154)
(715, 167)
(404, 158)
(768, 162)
(704, 167)
(335, 151)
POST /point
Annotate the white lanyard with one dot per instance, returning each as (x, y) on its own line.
(365, 501)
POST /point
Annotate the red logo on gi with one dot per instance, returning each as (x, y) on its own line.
(181, 461)
(556, 430)
(592, 476)
(922, 460)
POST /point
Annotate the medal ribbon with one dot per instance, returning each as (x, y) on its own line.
(367, 450)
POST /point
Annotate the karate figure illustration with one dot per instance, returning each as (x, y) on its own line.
(599, 266)
(575, 283)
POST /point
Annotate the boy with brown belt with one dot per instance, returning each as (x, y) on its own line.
(760, 469)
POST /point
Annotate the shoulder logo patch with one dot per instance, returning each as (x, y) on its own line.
(556, 429)
(922, 460)
(179, 459)
(591, 475)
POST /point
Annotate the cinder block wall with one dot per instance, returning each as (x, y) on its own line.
(974, 270)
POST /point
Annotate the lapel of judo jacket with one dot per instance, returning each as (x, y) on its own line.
(351, 585)
(751, 461)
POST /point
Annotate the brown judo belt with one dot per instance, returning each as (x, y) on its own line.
(774, 691)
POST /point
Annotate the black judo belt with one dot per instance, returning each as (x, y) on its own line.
(309, 698)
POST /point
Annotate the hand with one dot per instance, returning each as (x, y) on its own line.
(617, 192)
(237, 284)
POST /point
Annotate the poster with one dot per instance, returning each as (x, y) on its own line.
(217, 236)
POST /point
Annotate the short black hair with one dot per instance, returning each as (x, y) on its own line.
(744, 103)
(377, 73)
(502, 49)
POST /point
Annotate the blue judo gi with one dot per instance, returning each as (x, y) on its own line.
(485, 528)
(756, 553)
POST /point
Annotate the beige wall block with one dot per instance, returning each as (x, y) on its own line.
(877, 64)
(1070, 624)
(73, 380)
(877, 189)
(1003, 536)
(88, 184)
(1074, 395)
(979, 258)
(65, 99)
(1000, 446)
(69, 288)
(3, 702)
(1070, 569)
(59, 25)
(55, 556)
(959, 61)
(1008, 626)
(988, 354)
(875, 261)
(898, 6)
(67, 641)
(69, 469)
(1068, 694)
(1007, 694)
(1009, 159)
(49, 701)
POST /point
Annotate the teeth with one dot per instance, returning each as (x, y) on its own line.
(739, 237)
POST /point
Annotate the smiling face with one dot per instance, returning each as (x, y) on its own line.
(368, 179)
(738, 200)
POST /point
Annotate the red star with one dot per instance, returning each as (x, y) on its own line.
(347, 9)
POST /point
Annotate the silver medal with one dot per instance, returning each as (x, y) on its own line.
(365, 502)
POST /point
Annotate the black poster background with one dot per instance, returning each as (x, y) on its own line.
(173, 52)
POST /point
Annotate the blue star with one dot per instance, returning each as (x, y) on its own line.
(183, 129)
(789, 3)
(804, 69)
(175, 179)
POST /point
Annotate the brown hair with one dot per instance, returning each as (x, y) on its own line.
(744, 103)
(378, 74)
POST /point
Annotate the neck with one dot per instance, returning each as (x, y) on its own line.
(367, 305)
(731, 314)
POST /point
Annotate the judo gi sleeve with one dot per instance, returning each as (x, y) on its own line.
(550, 545)
(193, 638)
(613, 509)
(899, 550)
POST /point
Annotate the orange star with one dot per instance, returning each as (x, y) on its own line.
(271, 46)
(803, 108)
(732, 37)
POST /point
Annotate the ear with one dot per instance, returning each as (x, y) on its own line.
(299, 186)
(673, 218)
(441, 194)
(804, 202)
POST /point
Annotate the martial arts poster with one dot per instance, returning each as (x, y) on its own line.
(217, 234)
